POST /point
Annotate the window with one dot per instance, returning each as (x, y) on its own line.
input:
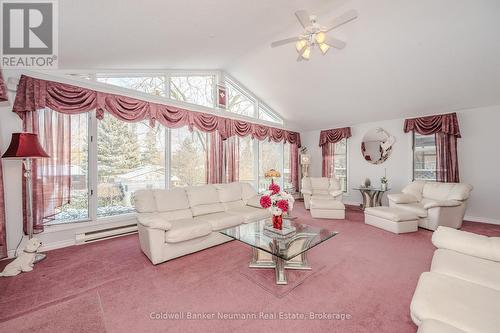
(247, 163)
(193, 89)
(270, 157)
(424, 157)
(287, 171)
(130, 156)
(266, 114)
(78, 208)
(238, 102)
(188, 157)
(340, 163)
(154, 85)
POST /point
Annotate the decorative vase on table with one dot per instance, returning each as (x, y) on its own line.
(278, 202)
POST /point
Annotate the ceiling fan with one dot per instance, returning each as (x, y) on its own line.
(316, 35)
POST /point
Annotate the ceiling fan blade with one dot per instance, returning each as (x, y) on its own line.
(285, 41)
(336, 43)
(343, 19)
(303, 17)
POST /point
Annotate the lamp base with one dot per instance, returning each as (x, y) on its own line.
(39, 257)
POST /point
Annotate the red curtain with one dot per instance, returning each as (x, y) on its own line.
(3, 241)
(446, 130)
(294, 166)
(214, 159)
(51, 176)
(3, 89)
(232, 159)
(35, 94)
(3, 236)
(327, 141)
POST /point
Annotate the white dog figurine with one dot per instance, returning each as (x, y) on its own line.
(24, 261)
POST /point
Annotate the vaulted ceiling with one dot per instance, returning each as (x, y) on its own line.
(403, 58)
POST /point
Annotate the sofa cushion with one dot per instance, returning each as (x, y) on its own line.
(202, 195)
(183, 230)
(481, 271)
(326, 203)
(250, 214)
(221, 221)
(207, 209)
(176, 214)
(467, 243)
(168, 200)
(446, 191)
(436, 326)
(144, 201)
(254, 201)
(247, 191)
(233, 204)
(229, 192)
(320, 185)
(415, 208)
(459, 303)
(430, 203)
(415, 188)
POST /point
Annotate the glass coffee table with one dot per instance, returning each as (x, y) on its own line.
(271, 250)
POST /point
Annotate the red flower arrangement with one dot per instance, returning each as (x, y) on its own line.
(265, 201)
(283, 205)
(274, 188)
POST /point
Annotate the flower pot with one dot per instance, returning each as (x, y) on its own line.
(278, 222)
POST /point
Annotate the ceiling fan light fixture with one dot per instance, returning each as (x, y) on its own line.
(320, 37)
(324, 48)
(300, 45)
(307, 53)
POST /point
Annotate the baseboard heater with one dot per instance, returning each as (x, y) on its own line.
(94, 236)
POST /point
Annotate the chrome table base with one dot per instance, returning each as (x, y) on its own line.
(262, 259)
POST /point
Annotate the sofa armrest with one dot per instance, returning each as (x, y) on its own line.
(254, 201)
(467, 243)
(154, 222)
(442, 203)
(402, 198)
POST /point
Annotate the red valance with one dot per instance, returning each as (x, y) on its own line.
(33, 94)
(442, 123)
(334, 135)
(3, 89)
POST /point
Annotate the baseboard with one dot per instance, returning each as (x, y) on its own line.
(481, 219)
(50, 246)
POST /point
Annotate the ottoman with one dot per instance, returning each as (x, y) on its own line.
(395, 220)
(324, 208)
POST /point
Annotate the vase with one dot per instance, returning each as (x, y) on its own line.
(384, 186)
(278, 222)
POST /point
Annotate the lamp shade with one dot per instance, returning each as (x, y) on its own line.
(272, 174)
(24, 145)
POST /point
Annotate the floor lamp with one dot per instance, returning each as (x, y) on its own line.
(25, 146)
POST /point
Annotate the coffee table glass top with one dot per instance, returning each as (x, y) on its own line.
(285, 247)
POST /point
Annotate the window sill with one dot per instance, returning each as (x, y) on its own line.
(90, 224)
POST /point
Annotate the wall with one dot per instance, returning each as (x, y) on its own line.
(478, 160)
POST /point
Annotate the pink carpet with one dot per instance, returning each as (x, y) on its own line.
(364, 272)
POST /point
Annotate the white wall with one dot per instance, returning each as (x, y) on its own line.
(479, 160)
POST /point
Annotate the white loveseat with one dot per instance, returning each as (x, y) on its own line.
(180, 221)
(434, 203)
(461, 293)
(320, 187)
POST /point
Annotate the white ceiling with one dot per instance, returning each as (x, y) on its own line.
(403, 58)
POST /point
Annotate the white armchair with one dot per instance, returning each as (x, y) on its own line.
(435, 203)
(328, 188)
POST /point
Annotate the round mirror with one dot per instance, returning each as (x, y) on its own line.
(377, 145)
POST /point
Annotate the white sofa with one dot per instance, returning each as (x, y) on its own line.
(436, 204)
(320, 187)
(180, 221)
(461, 293)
